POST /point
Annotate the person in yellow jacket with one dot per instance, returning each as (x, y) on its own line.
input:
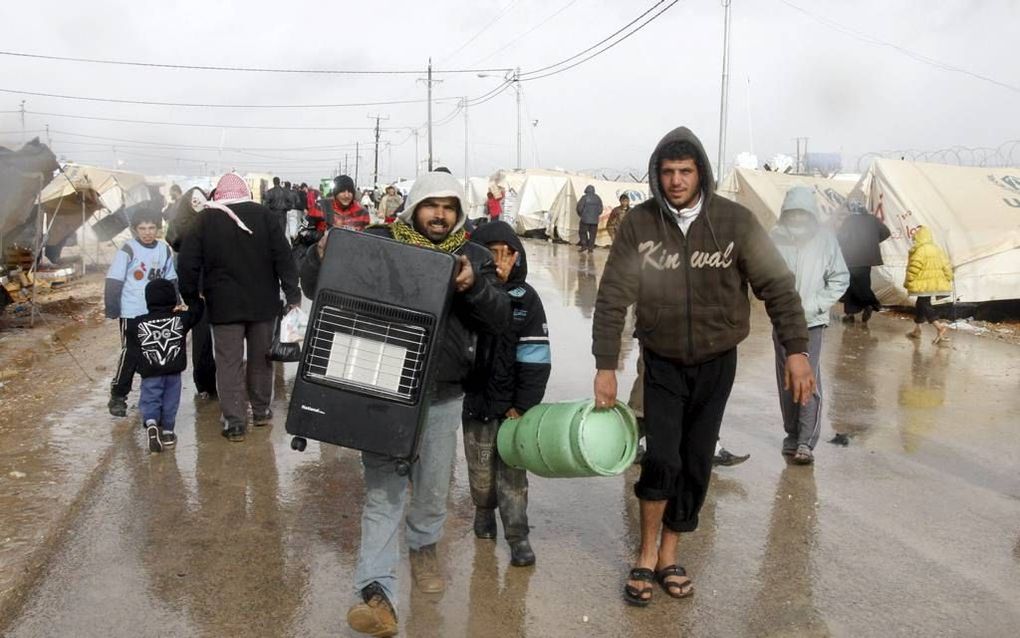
(928, 273)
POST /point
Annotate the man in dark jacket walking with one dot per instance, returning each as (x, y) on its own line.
(509, 378)
(433, 219)
(238, 253)
(278, 200)
(686, 258)
(589, 209)
(859, 239)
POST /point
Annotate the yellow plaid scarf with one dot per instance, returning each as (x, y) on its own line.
(408, 235)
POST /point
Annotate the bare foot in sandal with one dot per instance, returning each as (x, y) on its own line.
(674, 581)
(638, 590)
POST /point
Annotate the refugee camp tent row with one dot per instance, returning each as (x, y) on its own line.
(543, 199)
(762, 192)
(973, 213)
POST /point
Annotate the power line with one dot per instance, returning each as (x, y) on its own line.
(528, 32)
(206, 125)
(195, 147)
(195, 67)
(219, 106)
(603, 41)
(863, 37)
(488, 24)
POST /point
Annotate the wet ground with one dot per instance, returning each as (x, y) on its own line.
(911, 529)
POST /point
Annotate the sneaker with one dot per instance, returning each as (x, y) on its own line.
(728, 459)
(168, 438)
(521, 554)
(152, 432)
(425, 570)
(117, 406)
(260, 420)
(375, 616)
(485, 523)
(804, 456)
(234, 433)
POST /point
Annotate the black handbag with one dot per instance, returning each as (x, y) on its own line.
(283, 352)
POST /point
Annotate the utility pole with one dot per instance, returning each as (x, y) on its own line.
(345, 164)
(375, 174)
(720, 166)
(801, 156)
(429, 81)
(517, 83)
(49, 140)
(467, 174)
(357, 162)
(23, 140)
(417, 165)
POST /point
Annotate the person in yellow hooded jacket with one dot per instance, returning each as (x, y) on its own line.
(929, 273)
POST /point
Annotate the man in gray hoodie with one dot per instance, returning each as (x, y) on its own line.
(812, 253)
(589, 208)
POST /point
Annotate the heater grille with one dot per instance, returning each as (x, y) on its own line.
(366, 346)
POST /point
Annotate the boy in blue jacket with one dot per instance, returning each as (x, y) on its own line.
(157, 342)
(141, 259)
(510, 374)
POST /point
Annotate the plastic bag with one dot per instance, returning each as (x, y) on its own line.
(287, 335)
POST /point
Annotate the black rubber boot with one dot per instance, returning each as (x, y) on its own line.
(485, 523)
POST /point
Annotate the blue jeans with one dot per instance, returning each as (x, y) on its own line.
(386, 496)
(161, 396)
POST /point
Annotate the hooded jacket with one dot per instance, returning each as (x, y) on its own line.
(691, 290)
(484, 306)
(928, 268)
(158, 339)
(814, 258)
(859, 238)
(589, 207)
(512, 366)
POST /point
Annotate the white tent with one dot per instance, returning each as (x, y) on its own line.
(973, 213)
(74, 195)
(564, 212)
(535, 200)
(762, 192)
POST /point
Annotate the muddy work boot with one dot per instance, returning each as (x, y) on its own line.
(521, 554)
(117, 406)
(234, 433)
(425, 570)
(485, 523)
(375, 615)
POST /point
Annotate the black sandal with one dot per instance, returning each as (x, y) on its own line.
(635, 595)
(673, 588)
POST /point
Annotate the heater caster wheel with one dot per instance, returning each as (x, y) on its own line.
(298, 443)
(403, 468)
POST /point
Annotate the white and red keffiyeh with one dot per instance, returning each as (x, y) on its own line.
(231, 189)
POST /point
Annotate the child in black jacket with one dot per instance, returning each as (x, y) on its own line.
(509, 377)
(159, 344)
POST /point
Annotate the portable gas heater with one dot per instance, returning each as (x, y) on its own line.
(367, 362)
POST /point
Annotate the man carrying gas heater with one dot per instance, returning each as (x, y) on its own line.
(433, 218)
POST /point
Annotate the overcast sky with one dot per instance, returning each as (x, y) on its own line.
(792, 75)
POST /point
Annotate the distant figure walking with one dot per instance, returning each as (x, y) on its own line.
(859, 237)
(929, 272)
(589, 209)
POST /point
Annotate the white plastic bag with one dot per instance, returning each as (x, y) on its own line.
(292, 326)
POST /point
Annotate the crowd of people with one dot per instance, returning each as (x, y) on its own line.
(683, 261)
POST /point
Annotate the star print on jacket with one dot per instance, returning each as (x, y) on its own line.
(161, 339)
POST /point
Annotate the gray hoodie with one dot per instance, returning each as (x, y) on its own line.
(812, 253)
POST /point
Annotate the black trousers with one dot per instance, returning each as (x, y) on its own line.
(924, 311)
(120, 386)
(203, 364)
(859, 295)
(587, 232)
(684, 408)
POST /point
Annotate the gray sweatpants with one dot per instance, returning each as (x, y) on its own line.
(234, 376)
(803, 423)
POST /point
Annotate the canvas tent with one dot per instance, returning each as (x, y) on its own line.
(973, 213)
(762, 192)
(564, 211)
(79, 191)
(22, 174)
